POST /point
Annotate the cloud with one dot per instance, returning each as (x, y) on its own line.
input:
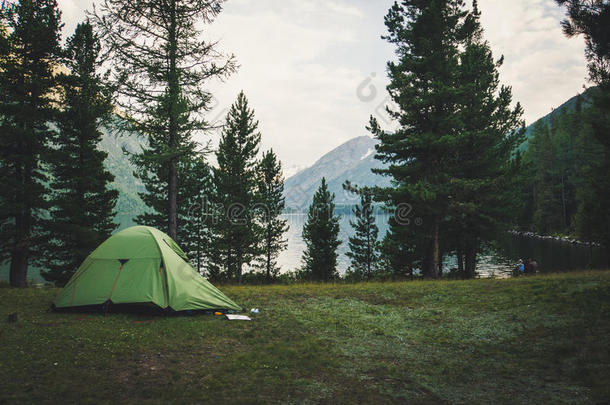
(543, 67)
(304, 97)
(303, 63)
(72, 12)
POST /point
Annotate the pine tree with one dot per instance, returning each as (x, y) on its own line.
(548, 206)
(563, 141)
(320, 233)
(271, 203)
(588, 219)
(489, 131)
(590, 19)
(194, 186)
(235, 191)
(419, 154)
(82, 205)
(363, 246)
(396, 258)
(161, 63)
(541, 157)
(29, 49)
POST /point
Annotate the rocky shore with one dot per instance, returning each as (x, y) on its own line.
(563, 239)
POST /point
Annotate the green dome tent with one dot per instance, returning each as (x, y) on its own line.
(141, 265)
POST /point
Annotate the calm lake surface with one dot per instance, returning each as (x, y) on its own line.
(497, 260)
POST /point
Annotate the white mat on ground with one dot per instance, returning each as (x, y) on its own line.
(231, 317)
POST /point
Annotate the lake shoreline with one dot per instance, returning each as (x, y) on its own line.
(563, 239)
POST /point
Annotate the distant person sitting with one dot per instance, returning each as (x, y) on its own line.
(533, 267)
(520, 267)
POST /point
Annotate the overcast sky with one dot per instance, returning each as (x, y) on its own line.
(315, 70)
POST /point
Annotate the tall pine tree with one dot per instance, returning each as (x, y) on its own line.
(194, 232)
(321, 236)
(82, 204)
(427, 35)
(271, 203)
(363, 246)
(29, 50)
(488, 131)
(162, 63)
(235, 192)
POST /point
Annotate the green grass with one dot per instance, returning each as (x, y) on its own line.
(531, 340)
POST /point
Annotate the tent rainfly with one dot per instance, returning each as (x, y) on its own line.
(141, 265)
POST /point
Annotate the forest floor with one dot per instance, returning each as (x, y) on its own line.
(530, 340)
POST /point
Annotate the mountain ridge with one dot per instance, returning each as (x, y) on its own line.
(352, 160)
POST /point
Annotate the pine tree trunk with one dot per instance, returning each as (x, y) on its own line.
(471, 262)
(607, 246)
(440, 265)
(20, 252)
(268, 257)
(239, 265)
(19, 255)
(173, 84)
(172, 192)
(369, 253)
(460, 258)
(199, 245)
(563, 203)
(433, 262)
(19, 267)
(436, 250)
(228, 264)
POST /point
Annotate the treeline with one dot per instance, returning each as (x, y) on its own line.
(566, 169)
(558, 174)
(56, 203)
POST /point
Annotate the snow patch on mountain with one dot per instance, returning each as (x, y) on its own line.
(367, 154)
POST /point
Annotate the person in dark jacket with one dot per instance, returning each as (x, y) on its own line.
(533, 266)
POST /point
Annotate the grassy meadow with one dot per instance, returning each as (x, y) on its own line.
(530, 340)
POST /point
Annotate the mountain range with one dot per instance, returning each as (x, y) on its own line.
(351, 161)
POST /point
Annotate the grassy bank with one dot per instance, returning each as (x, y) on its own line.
(532, 340)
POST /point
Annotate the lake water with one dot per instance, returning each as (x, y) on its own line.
(497, 260)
